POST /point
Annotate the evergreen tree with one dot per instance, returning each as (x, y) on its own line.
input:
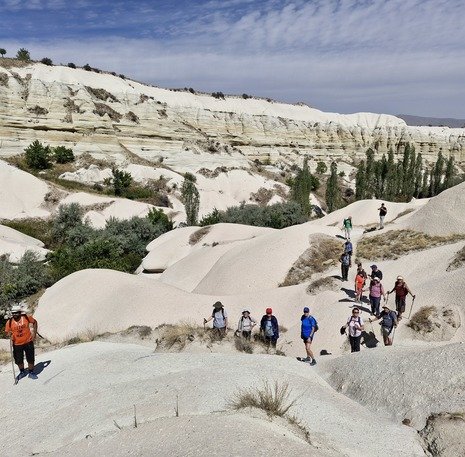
(301, 188)
(437, 174)
(191, 199)
(360, 181)
(410, 175)
(449, 174)
(370, 174)
(424, 184)
(391, 174)
(405, 170)
(2, 52)
(431, 183)
(38, 156)
(333, 192)
(418, 176)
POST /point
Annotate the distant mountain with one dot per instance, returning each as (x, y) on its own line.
(432, 121)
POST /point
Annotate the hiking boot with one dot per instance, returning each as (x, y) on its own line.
(313, 362)
(306, 359)
(32, 375)
(22, 373)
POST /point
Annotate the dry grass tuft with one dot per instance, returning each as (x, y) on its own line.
(421, 320)
(199, 234)
(4, 357)
(243, 345)
(323, 252)
(262, 196)
(325, 283)
(404, 213)
(101, 109)
(86, 336)
(3, 79)
(8, 62)
(274, 400)
(393, 244)
(179, 335)
(458, 261)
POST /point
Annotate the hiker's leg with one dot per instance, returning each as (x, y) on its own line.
(351, 341)
(308, 348)
(273, 343)
(30, 355)
(401, 307)
(357, 343)
(18, 356)
(377, 304)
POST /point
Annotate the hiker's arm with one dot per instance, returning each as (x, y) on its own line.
(207, 320)
(374, 319)
(410, 292)
(226, 323)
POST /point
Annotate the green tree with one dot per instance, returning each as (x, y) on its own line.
(321, 168)
(370, 173)
(158, 217)
(191, 199)
(405, 171)
(333, 192)
(418, 176)
(360, 181)
(67, 218)
(424, 184)
(391, 177)
(120, 180)
(431, 183)
(63, 154)
(438, 171)
(301, 188)
(47, 61)
(449, 174)
(38, 156)
(2, 52)
(410, 175)
(23, 54)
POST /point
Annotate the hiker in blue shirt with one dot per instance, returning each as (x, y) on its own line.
(308, 329)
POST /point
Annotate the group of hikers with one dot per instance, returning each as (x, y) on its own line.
(22, 336)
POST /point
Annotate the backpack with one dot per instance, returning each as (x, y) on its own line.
(222, 312)
(10, 320)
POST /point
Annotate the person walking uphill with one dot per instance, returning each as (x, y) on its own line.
(346, 263)
(382, 214)
(347, 227)
(355, 326)
(401, 289)
(307, 331)
(376, 292)
(246, 324)
(18, 328)
(388, 324)
(269, 328)
(220, 320)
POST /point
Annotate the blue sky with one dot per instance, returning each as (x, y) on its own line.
(392, 56)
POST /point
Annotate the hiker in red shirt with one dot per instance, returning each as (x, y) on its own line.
(18, 328)
(402, 290)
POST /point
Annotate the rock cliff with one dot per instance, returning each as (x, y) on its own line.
(107, 115)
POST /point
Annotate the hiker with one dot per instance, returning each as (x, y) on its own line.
(355, 326)
(360, 280)
(346, 263)
(269, 328)
(382, 214)
(401, 289)
(375, 273)
(220, 320)
(388, 324)
(348, 248)
(18, 328)
(246, 324)
(362, 271)
(307, 331)
(347, 226)
(376, 291)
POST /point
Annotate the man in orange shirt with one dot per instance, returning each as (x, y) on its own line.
(18, 327)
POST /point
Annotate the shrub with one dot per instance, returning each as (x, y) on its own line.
(120, 181)
(458, 260)
(87, 67)
(274, 400)
(132, 117)
(38, 156)
(71, 65)
(38, 110)
(101, 94)
(67, 218)
(158, 217)
(279, 215)
(198, 235)
(101, 109)
(63, 154)
(47, 61)
(321, 168)
(3, 79)
(23, 54)
(29, 276)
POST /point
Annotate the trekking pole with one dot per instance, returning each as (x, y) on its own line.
(12, 361)
(410, 313)
(393, 335)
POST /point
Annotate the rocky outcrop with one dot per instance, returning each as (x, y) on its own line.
(104, 114)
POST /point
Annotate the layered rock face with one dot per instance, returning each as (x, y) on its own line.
(110, 116)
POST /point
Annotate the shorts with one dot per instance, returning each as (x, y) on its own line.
(400, 304)
(21, 349)
(386, 332)
(306, 339)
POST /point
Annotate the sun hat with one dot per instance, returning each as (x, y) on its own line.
(306, 309)
(269, 311)
(376, 278)
(374, 266)
(16, 309)
(218, 305)
(386, 306)
(245, 310)
(400, 278)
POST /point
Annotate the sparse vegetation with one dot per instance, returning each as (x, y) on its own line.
(101, 109)
(458, 261)
(23, 54)
(323, 252)
(101, 94)
(429, 319)
(199, 234)
(243, 345)
(38, 156)
(262, 196)
(131, 116)
(395, 243)
(46, 61)
(324, 283)
(38, 110)
(273, 399)
(3, 79)
(421, 320)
